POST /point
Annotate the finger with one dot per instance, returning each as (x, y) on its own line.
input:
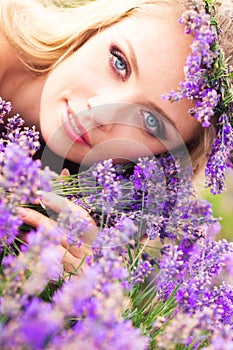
(34, 218)
(72, 264)
(58, 203)
(79, 252)
(73, 256)
(64, 172)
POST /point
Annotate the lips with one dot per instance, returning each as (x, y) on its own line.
(73, 129)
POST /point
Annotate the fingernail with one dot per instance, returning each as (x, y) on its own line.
(22, 212)
(65, 172)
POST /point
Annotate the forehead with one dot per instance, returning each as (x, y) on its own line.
(159, 42)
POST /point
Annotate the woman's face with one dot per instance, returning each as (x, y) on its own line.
(104, 101)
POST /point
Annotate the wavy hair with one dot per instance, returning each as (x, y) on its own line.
(44, 33)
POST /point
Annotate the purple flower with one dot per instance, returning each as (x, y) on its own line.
(99, 335)
(21, 175)
(193, 265)
(198, 64)
(73, 226)
(141, 271)
(38, 323)
(145, 172)
(204, 263)
(220, 298)
(117, 236)
(25, 137)
(9, 225)
(42, 256)
(221, 339)
(217, 158)
(99, 296)
(5, 108)
(105, 175)
(204, 106)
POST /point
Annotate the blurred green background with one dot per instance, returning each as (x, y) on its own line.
(222, 204)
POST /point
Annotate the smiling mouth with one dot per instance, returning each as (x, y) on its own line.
(73, 128)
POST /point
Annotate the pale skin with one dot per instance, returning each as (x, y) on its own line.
(120, 68)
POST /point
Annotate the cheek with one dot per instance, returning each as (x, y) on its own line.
(62, 75)
(136, 142)
(189, 129)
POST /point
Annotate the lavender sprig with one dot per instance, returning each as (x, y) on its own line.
(218, 157)
(5, 109)
(198, 64)
(208, 83)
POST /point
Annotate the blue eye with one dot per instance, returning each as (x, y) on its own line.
(153, 124)
(119, 64)
(151, 121)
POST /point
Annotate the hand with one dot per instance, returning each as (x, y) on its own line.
(73, 256)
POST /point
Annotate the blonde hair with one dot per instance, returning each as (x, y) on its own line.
(44, 33)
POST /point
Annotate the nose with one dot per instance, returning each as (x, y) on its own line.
(106, 112)
(96, 101)
(101, 112)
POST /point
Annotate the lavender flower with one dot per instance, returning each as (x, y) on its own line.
(146, 171)
(9, 224)
(187, 331)
(160, 186)
(38, 323)
(25, 137)
(149, 186)
(208, 82)
(198, 64)
(204, 107)
(98, 295)
(99, 335)
(13, 277)
(42, 256)
(220, 298)
(73, 226)
(221, 339)
(141, 272)
(106, 178)
(117, 236)
(5, 108)
(21, 175)
(194, 269)
(32, 328)
(217, 158)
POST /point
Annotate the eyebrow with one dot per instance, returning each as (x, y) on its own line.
(150, 104)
